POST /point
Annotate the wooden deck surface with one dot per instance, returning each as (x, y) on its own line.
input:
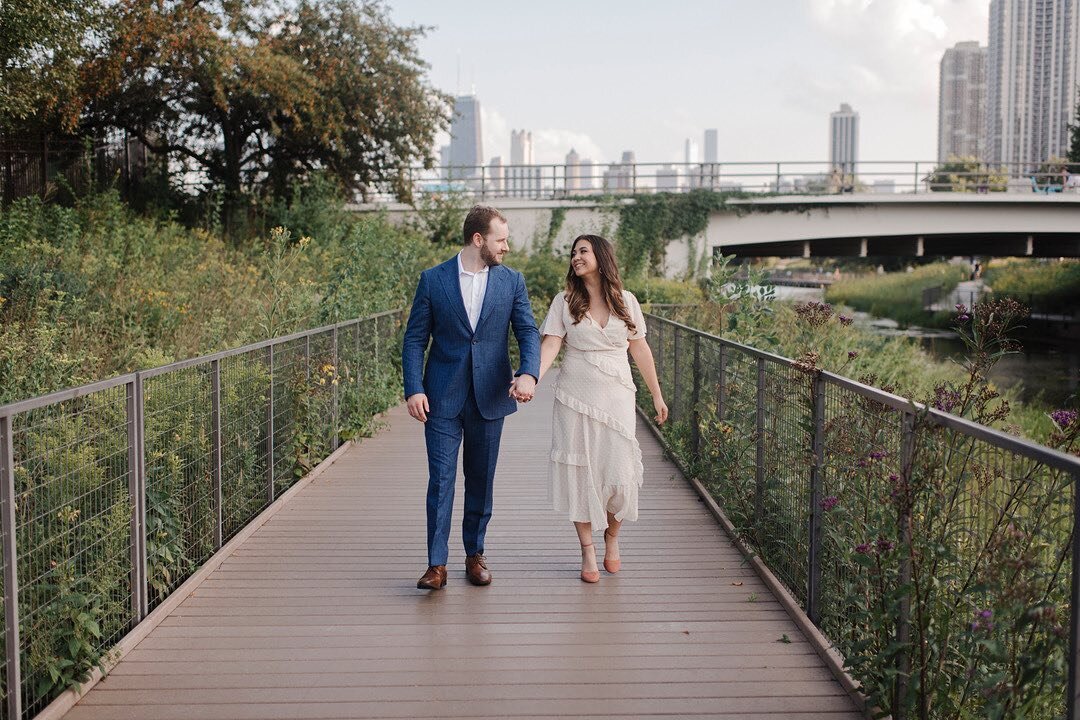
(317, 614)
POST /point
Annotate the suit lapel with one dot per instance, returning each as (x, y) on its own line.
(493, 294)
(452, 287)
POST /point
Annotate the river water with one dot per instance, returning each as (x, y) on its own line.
(1049, 370)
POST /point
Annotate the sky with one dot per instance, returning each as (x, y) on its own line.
(604, 76)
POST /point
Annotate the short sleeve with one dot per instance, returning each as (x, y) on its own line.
(634, 308)
(553, 323)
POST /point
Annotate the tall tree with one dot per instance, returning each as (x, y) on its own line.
(42, 43)
(255, 93)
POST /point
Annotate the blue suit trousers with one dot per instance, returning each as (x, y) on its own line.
(480, 438)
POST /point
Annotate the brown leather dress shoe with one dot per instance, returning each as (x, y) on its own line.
(476, 570)
(433, 579)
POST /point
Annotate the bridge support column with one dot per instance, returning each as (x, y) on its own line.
(863, 247)
(806, 249)
(919, 247)
(1030, 249)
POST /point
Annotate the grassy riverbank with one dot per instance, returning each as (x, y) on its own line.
(898, 295)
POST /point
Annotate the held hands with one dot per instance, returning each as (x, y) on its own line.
(418, 406)
(523, 388)
(661, 409)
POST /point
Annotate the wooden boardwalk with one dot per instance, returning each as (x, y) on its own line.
(316, 615)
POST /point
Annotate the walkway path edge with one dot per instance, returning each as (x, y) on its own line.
(825, 649)
(62, 704)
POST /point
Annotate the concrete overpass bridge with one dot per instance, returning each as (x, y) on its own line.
(998, 224)
(853, 225)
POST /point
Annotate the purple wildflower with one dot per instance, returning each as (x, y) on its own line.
(829, 503)
(884, 546)
(863, 549)
(986, 614)
(963, 318)
(961, 308)
(1063, 418)
(845, 320)
(945, 398)
(878, 455)
(852, 354)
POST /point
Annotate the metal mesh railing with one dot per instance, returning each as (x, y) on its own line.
(937, 554)
(114, 493)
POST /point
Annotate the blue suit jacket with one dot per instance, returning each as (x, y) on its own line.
(457, 353)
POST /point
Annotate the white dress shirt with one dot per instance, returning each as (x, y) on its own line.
(473, 289)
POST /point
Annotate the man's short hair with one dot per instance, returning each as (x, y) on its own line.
(479, 221)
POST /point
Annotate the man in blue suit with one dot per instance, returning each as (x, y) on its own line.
(466, 307)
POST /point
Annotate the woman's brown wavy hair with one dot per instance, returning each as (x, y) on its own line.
(577, 295)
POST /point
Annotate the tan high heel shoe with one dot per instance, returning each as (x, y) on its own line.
(612, 566)
(590, 576)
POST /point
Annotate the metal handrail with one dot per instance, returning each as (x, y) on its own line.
(700, 393)
(786, 177)
(113, 446)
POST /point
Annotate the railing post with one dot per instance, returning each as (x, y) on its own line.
(1073, 699)
(778, 178)
(270, 430)
(759, 464)
(722, 399)
(903, 620)
(817, 471)
(676, 390)
(136, 428)
(916, 184)
(12, 644)
(334, 394)
(215, 440)
(695, 411)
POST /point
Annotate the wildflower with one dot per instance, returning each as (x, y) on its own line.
(878, 455)
(945, 398)
(1064, 418)
(884, 546)
(845, 320)
(829, 503)
(851, 354)
(863, 549)
(814, 313)
(962, 318)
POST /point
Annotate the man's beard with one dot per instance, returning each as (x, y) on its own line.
(489, 257)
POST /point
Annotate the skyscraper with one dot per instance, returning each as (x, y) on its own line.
(523, 180)
(466, 146)
(711, 147)
(521, 149)
(962, 102)
(573, 171)
(1032, 72)
(844, 139)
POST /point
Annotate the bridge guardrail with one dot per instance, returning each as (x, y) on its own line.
(560, 181)
(942, 557)
(113, 493)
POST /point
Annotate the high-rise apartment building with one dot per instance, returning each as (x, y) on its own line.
(1032, 75)
(466, 145)
(844, 139)
(962, 102)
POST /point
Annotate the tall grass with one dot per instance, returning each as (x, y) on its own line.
(1020, 277)
(897, 295)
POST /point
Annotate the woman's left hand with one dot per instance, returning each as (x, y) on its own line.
(661, 410)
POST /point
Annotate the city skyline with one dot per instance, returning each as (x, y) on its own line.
(765, 78)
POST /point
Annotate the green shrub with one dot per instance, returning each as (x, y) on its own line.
(897, 295)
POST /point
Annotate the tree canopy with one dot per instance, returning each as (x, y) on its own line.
(254, 93)
(246, 95)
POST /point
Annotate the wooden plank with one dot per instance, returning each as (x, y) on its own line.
(316, 614)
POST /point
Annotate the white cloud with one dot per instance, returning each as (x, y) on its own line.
(550, 146)
(894, 46)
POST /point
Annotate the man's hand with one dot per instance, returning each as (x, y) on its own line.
(523, 388)
(418, 406)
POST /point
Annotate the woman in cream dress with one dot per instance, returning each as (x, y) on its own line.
(595, 459)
